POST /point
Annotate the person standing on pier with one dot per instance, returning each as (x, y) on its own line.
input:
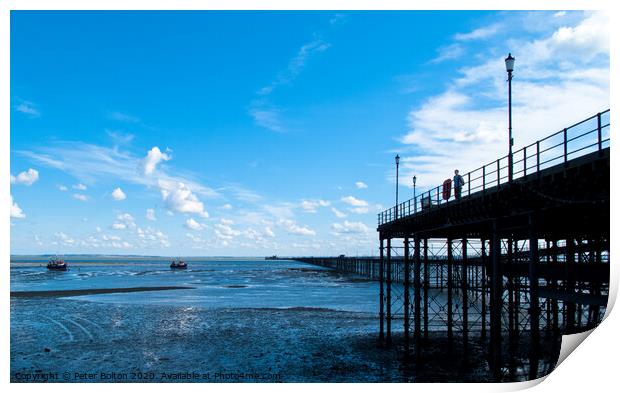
(458, 184)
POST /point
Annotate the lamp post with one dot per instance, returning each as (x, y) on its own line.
(510, 65)
(415, 202)
(397, 158)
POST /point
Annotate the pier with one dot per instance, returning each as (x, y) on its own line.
(519, 260)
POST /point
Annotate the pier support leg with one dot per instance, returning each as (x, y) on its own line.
(496, 304)
(416, 296)
(388, 300)
(483, 291)
(534, 302)
(426, 285)
(381, 292)
(406, 295)
(449, 290)
(570, 286)
(465, 301)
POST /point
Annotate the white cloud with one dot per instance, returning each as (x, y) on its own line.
(153, 157)
(64, 238)
(227, 206)
(80, 187)
(267, 118)
(118, 194)
(16, 211)
(269, 232)
(264, 114)
(226, 221)
(311, 206)
(26, 178)
(465, 126)
(63, 188)
(296, 65)
(338, 213)
(350, 227)
(123, 117)
(28, 108)
(193, 224)
(124, 220)
(291, 227)
(179, 198)
(119, 137)
(355, 202)
(91, 163)
(478, 34)
(150, 215)
(448, 52)
(80, 197)
(361, 185)
(224, 231)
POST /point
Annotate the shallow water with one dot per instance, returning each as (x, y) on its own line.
(284, 318)
(217, 284)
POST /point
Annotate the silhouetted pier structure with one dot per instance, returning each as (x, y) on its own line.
(511, 266)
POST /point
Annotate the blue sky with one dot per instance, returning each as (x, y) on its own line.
(258, 133)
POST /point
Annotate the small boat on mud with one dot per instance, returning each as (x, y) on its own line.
(178, 265)
(57, 264)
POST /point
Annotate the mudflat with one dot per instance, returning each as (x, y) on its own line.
(90, 291)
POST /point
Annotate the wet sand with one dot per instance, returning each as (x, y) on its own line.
(92, 291)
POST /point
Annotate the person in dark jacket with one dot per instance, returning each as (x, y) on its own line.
(458, 184)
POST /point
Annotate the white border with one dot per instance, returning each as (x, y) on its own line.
(591, 368)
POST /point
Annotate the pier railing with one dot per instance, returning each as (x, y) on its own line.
(584, 137)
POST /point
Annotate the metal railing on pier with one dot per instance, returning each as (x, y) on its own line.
(584, 137)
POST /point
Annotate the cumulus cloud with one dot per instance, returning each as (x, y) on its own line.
(26, 178)
(353, 201)
(150, 215)
(65, 239)
(350, 227)
(80, 187)
(153, 157)
(338, 213)
(190, 223)
(361, 185)
(118, 194)
(311, 206)
(224, 230)
(226, 206)
(16, 211)
(124, 220)
(291, 227)
(80, 197)
(63, 188)
(179, 198)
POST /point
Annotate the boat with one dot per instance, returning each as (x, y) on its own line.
(178, 265)
(57, 264)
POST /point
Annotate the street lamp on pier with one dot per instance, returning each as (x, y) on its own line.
(397, 159)
(510, 65)
(415, 178)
